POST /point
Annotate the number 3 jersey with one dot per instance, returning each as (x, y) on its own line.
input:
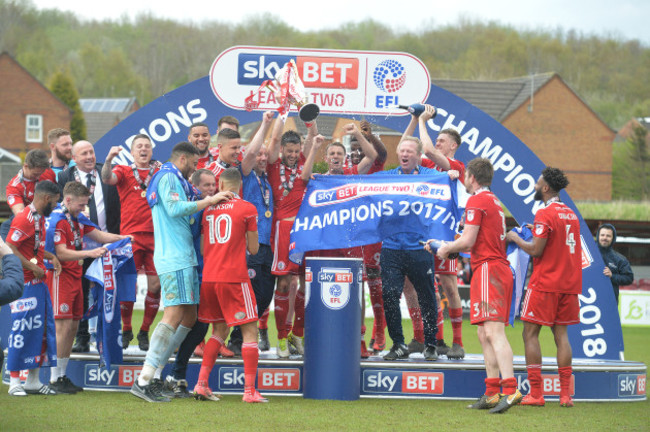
(224, 240)
(559, 268)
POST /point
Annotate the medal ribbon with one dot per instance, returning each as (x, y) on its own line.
(152, 167)
(92, 178)
(75, 231)
(288, 185)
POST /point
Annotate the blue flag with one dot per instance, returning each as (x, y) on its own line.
(345, 211)
(50, 226)
(519, 265)
(114, 280)
(31, 316)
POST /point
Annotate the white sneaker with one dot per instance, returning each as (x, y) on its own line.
(17, 390)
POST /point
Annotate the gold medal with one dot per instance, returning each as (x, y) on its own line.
(33, 260)
(285, 192)
(143, 194)
(192, 221)
(80, 262)
(268, 213)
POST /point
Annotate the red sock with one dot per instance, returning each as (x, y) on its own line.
(210, 353)
(250, 355)
(441, 325)
(264, 320)
(375, 288)
(492, 386)
(456, 316)
(535, 380)
(151, 305)
(565, 380)
(281, 310)
(299, 318)
(509, 385)
(126, 309)
(418, 327)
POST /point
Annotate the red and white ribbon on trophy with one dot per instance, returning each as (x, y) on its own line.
(287, 89)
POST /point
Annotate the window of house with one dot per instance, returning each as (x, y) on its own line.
(34, 128)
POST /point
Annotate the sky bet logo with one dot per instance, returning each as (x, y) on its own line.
(317, 72)
(386, 381)
(631, 385)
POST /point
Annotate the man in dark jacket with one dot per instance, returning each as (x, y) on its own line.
(11, 281)
(617, 267)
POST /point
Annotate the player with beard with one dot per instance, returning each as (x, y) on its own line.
(491, 286)
(199, 136)
(372, 252)
(552, 294)
(60, 149)
(441, 158)
(288, 176)
(27, 240)
(132, 182)
(172, 200)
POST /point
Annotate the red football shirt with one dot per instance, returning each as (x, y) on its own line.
(559, 268)
(484, 210)
(22, 191)
(224, 240)
(136, 214)
(22, 234)
(454, 165)
(63, 235)
(203, 162)
(286, 206)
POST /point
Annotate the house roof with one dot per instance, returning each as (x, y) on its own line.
(102, 114)
(497, 98)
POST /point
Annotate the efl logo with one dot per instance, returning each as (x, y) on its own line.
(278, 379)
(23, 305)
(631, 385)
(389, 76)
(403, 382)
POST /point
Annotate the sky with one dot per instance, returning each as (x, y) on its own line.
(622, 19)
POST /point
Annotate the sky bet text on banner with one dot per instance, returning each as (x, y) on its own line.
(345, 211)
(383, 79)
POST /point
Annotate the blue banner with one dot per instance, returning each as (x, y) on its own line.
(519, 261)
(346, 211)
(31, 319)
(114, 278)
(167, 119)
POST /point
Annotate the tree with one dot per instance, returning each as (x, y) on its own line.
(630, 176)
(63, 87)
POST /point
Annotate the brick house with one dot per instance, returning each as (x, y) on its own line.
(28, 109)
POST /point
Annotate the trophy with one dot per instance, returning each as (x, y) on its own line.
(288, 90)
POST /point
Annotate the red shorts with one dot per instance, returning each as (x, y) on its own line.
(491, 293)
(550, 308)
(143, 244)
(280, 240)
(445, 267)
(67, 295)
(229, 302)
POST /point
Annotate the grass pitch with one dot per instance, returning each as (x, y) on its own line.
(122, 411)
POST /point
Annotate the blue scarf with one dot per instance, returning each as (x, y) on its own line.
(167, 168)
(50, 227)
(31, 316)
(519, 265)
(114, 280)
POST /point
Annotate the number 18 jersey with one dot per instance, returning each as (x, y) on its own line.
(559, 268)
(224, 240)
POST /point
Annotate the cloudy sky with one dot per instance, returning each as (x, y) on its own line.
(623, 19)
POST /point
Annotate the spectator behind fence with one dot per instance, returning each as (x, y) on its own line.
(617, 267)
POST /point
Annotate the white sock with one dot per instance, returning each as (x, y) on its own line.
(63, 365)
(145, 375)
(13, 382)
(54, 374)
(33, 382)
(158, 373)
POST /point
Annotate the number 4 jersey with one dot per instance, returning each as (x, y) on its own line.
(224, 240)
(559, 268)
